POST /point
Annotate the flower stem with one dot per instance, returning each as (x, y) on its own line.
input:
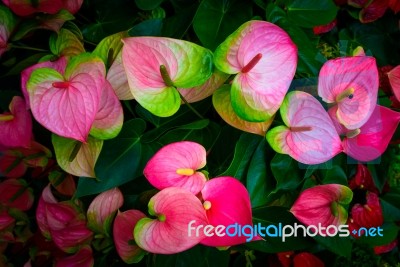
(28, 48)
(190, 106)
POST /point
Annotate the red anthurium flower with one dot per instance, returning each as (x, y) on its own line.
(25, 7)
(322, 204)
(373, 11)
(175, 208)
(369, 214)
(325, 28)
(16, 125)
(285, 258)
(363, 180)
(83, 258)
(371, 140)
(176, 165)
(124, 225)
(352, 84)
(384, 82)
(226, 202)
(394, 5)
(16, 194)
(306, 259)
(102, 209)
(67, 103)
(386, 248)
(5, 220)
(357, 3)
(394, 79)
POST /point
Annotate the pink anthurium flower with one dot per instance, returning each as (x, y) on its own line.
(125, 245)
(156, 66)
(102, 209)
(15, 193)
(322, 204)
(264, 59)
(77, 158)
(41, 217)
(26, 7)
(5, 220)
(176, 165)
(309, 135)
(7, 24)
(174, 208)
(226, 202)
(352, 84)
(16, 125)
(83, 258)
(223, 105)
(394, 79)
(67, 103)
(116, 75)
(371, 140)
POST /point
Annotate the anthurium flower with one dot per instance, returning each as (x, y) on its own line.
(25, 8)
(371, 140)
(363, 180)
(226, 202)
(309, 135)
(5, 220)
(352, 84)
(369, 214)
(123, 227)
(7, 24)
(102, 209)
(373, 11)
(394, 79)
(15, 193)
(264, 59)
(156, 66)
(306, 259)
(386, 248)
(394, 5)
(67, 104)
(174, 208)
(176, 165)
(41, 216)
(223, 105)
(322, 204)
(16, 125)
(83, 258)
(325, 28)
(77, 158)
(116, 75)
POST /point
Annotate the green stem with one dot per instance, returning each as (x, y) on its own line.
(190, 106)
(28, 48)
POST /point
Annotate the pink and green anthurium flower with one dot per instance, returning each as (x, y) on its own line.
(264, 59)
(124, 241)
(15, 193)
(16, 125)
(74, 94)
(226, 202)
(176, 164)
(157, 66)
(323, 204)
(223, 105)
(7, 24)
(308, 135)
(26, 8)
(174, 208)
(102, 209)
(371, 140)
(352, 84)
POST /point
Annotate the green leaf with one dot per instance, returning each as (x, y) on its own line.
(389, 233)
(215, 20)
(109, 47)
(286, 172)
(310, 13)
(339, 245)
(118, 162)
(335, 175)
(148, 4)
(23, 64)
(65, 44)
(244, 150)
(150, 27)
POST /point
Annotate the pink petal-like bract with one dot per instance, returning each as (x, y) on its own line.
(352, 83)
(124, 224)
(83, 258)
(310, 136)
(16, 194)
(394, 79)
(322, 204)
(25, 7)
(16, 125)
(59, 65)
(176, 209)
(175, 165)
(116, 75)
(72, 5)
(5, 220)
(41, 216)
(102, 208)
(67, 104)
(264, 58)
(227, 202)
(372, 139)
(110, 116)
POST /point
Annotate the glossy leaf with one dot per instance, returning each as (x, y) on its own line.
(66, 43)
(308, 13)
(309, 135)
(185, 63)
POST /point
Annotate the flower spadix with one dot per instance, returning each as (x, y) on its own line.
(264, 59)
(176, 165)
(156, 66)
(174, 208)
(323, 204)
(309, 135)
(352, 84)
